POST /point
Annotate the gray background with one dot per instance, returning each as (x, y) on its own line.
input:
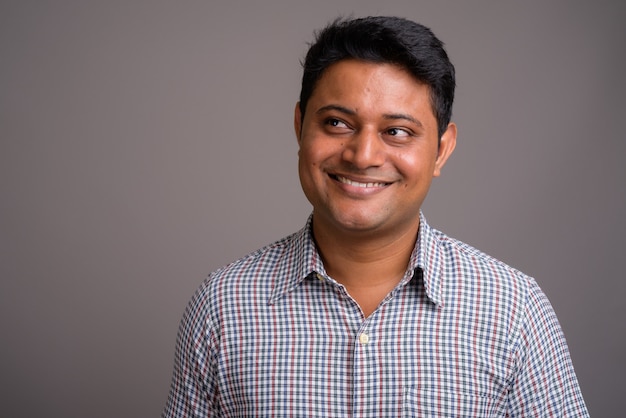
(146, 143)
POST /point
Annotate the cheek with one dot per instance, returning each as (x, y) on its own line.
(408, 166)
(313, 154)
(319, 154)
(415, 165)
(307, 166)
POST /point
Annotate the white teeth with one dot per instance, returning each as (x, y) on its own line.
(357, 184)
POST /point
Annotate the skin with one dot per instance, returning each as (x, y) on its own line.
(368, 151)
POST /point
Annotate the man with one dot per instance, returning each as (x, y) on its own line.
(368, 311)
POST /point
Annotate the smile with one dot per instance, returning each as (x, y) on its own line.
(345, 180)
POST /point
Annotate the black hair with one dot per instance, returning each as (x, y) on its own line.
(383, 39)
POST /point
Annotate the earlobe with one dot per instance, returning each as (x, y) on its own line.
(446, 147)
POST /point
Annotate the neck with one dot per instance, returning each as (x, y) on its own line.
(368, 264)
(361, 259)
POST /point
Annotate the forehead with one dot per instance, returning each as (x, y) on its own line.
(371, 85)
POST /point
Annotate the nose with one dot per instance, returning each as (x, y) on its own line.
(364, 150)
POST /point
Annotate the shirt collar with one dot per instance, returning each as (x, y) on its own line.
(301, 260)
(428, 256)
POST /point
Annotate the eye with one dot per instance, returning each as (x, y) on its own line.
(335, 126)
(398, 133)
(335, 123)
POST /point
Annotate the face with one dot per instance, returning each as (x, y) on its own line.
(368, 148)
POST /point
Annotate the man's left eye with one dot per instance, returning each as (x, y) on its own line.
(397, 132)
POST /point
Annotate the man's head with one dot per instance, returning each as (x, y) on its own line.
(371, 140)
(390, 40)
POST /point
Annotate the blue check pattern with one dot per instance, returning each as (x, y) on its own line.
(462, 335)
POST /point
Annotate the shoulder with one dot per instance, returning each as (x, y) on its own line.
(469, 263)
(259, 266)
(249, 280)
(485, 287)
(484, 290)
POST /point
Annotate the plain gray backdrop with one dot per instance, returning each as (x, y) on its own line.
(146, 143)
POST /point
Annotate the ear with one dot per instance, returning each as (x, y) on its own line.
(297, 121)
(447, 144)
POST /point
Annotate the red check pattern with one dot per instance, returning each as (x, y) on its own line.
(463, 335)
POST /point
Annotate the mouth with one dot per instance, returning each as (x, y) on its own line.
(355, 183)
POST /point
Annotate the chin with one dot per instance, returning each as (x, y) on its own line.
(359, 222)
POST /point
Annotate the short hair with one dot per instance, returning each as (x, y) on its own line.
(383, 39)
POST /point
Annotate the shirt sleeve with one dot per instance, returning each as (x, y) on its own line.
(545, 384)
(193, 388)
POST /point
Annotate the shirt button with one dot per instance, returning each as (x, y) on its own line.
(364, 339)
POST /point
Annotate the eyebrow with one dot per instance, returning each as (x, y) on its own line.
(395, 116)
(389, 116)
(338, 108)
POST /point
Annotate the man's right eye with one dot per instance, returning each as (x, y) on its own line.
(335, 123)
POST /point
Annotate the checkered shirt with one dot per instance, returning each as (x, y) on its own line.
(462, 335)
